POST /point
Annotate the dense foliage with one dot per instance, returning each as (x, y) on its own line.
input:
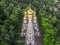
(11, 13)
(10, 20)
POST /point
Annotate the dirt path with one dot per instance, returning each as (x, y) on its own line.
(39, 41)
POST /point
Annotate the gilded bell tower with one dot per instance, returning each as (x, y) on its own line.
(30, 13)
(30, 27)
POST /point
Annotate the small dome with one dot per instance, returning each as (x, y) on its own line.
(24, 17)
(25, 13)
(35, 17)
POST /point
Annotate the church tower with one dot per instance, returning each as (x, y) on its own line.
(30, 27)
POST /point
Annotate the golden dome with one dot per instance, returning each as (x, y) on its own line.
(30, 11)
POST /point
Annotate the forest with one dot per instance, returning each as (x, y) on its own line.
(12, 12)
